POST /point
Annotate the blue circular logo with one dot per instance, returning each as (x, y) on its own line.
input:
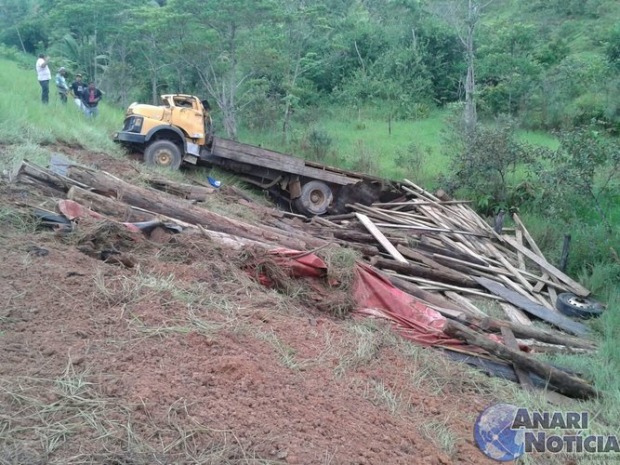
(494, 435)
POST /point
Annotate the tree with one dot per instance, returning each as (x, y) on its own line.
(484, 162)
(582, 172)
(463, 17)
(11, 13)
(223, 40)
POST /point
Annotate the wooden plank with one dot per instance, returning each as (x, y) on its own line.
(465, 303)
(533, 308)
(428, 229)
(387, 245)
(574, 286)
(327, 176)
(434, 274)
(405, 204)
(511, 343)
(464, 290)
(515, 315)
(519, 237)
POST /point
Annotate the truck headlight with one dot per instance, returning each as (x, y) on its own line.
(133, 124)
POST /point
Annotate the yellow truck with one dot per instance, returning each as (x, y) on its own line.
(180, 131)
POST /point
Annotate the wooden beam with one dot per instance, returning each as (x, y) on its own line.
(522, 375)
(533, 308)
(514, 314)
(465, 303)
(387, 245)
(574, 286)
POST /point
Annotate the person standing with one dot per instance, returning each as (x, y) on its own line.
(90, 99)
(77, 88)
(44, 75)
(61, 84)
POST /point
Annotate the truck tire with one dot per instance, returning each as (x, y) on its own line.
(163, 153)
(578, 307)
(315, 198)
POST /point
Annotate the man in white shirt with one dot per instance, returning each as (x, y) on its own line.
(44, 75)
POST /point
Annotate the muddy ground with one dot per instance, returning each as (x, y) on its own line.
(185, 359)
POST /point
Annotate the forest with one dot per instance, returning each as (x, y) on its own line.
(548, 64)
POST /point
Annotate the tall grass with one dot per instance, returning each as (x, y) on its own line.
(24, 119)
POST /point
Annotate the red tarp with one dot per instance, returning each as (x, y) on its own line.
(375, 296)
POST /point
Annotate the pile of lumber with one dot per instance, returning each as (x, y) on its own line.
(442, 247)
(434, 248)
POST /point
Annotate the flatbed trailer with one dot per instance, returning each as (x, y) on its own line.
(314, 188)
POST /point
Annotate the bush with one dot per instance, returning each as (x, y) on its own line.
(576, 179)
(410, 162)
(485, 162)
(317, 144)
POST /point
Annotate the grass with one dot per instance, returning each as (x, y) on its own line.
(39, 124)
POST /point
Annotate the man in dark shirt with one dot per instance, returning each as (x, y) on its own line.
(90, 99)
(76, 89)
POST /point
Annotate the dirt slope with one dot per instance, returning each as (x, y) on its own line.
(185, 359)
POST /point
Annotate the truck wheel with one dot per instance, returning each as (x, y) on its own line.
(580, 307)
(163, 153)
(314, 199)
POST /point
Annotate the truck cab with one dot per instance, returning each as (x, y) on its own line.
(169, 134)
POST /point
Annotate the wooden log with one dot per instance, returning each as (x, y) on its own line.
(385, 243)
(533, 308)
(185, 191)
(574, 286)
(560, 380)
(165, 204)
(420, 257)
(511, 343)
(45, 177)
(424, 272)
(443, 286)
(532, 332)
(107, 206)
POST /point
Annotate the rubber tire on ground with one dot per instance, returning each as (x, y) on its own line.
(580, 307)
(163, 153)
(315, 198)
